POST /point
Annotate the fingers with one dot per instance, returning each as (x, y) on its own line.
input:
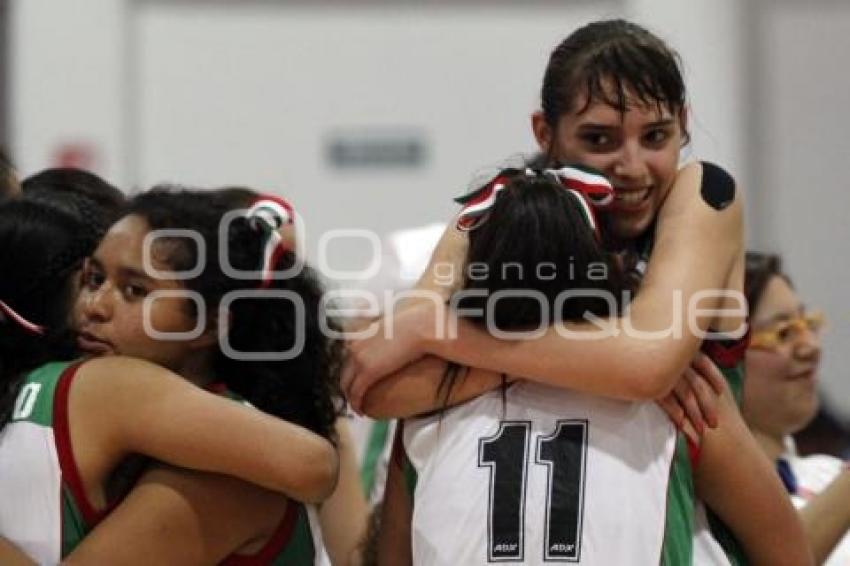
(710, 372)
(674, 410)
(687, 399)
(706, 397)
(692, 434)
(358, 390)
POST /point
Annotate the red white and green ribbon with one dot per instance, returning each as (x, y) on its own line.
(478, 203)
(8, 313)
(591, 188)
(595, 187)
(274, 213)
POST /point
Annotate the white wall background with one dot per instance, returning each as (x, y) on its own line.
(209, 92)
(803, 198)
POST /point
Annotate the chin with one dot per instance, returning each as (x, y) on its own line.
(804, 415)
(629, 230)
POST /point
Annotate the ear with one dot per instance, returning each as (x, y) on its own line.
(684, 115)
(542, 131)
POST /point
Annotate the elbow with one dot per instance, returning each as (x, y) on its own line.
(373, 408)
(645, 388)
(654, 379)
(381, 411)
(322, 475)
(384, 403)
(655, 385)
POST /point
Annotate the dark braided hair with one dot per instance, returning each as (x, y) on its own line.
(41, 250)
(303, 389)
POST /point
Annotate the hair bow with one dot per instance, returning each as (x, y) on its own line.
(268, 215)
(591, 189)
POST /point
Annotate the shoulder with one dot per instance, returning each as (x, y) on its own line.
(703, 197)
(111, 378)
(122, 368)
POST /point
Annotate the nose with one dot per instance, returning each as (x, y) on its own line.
(630, 164)
(807, 345)
(96, 304)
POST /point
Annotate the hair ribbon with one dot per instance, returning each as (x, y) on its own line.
(268, 214)
(8, 313)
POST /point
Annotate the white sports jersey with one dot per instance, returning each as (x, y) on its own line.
(549, 475)
(32, 515)
(707, 550)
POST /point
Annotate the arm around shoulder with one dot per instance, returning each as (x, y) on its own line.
(640, 355)
(140, 407)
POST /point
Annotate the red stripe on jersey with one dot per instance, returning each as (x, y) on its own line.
(67, 463)
(274, 546)
(694, 452)
(727, 353)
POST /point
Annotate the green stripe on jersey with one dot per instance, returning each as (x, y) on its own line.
(74, 527)
(35, 399)
(735, 378)
(300, 549)
(374, 448)
(679, 522)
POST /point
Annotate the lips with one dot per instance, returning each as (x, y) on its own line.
(91, 344)
(631, 199)
(809, 374)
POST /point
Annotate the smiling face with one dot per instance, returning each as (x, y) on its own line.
(780, 393)
(110, 308)
(638, 150)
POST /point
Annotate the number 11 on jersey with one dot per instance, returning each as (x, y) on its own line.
(506, 454)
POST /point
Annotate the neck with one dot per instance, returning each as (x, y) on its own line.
(772, 445)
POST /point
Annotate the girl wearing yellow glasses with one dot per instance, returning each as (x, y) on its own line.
(780, 398)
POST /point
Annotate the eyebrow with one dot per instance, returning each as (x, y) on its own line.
(663, 123)
(124, 271)
(133, 273)
(783, 316)
(595, 126)
(97, 263)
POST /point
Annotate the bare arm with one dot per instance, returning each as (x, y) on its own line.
(176, 516)
(735, 479)
(344, 515)
(11, 556)
(448, 259)
(121, 406)
(414, 389)
(685, 262)
(826, 517)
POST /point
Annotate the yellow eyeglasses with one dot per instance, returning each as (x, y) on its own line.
(787, 331)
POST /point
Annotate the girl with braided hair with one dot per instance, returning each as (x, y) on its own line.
(69, 425)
